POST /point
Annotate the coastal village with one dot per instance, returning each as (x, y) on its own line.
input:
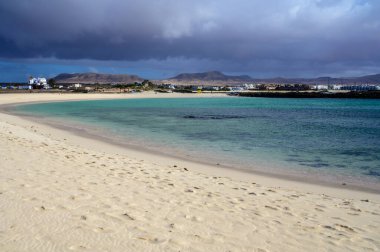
(42, 84)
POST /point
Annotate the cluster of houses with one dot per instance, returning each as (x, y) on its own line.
(291, 87)
(37, 83)
(347, 87)
(41, 83)
(33, 83)
(279, 87)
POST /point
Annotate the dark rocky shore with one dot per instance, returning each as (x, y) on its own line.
(359, 95)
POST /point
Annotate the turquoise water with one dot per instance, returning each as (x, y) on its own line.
(336, 140)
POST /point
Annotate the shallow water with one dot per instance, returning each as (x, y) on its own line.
(335, 140)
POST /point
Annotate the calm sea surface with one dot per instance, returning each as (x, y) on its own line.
(334, 140)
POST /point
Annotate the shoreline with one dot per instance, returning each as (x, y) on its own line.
(202, 166)
(60, 191)
(266, 178)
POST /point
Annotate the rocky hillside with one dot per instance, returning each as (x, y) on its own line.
(218, 78)
(93, 78)
(210, 76)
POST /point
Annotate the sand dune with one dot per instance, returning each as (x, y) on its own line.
(59, 192)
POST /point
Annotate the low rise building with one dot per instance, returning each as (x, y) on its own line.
(38, 83)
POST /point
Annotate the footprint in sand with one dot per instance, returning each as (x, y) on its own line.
(25, 185)
(102, 230)
(77, 247)
(353, 214)
(151, 240)
(261, 250)
(344, 227)
(355, 209)
(270, 207)
(30, 199)
(40, 208)
(157, 241)
(128, 216)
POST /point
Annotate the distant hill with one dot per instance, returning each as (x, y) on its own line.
(218, 78)
(92, 78)
(370, 78)
(210, 76)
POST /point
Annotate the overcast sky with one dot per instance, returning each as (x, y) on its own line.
(161, 38)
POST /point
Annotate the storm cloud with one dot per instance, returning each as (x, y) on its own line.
(287, 37)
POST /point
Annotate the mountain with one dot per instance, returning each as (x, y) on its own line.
(370, 78)
(218, 78)
(209, 76)
(92, 78)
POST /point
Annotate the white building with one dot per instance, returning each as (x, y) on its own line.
(39, 82)
(236, 89)
(337, 87)
(76, 86)
(320, 87)
(25, 87)
(249, 86)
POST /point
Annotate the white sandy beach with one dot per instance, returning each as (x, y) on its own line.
(63, 192)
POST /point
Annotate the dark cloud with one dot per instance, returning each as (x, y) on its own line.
(288, 36)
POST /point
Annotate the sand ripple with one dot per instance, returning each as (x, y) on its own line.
(56, 196)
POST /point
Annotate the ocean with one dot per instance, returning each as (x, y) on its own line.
(324, 140)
